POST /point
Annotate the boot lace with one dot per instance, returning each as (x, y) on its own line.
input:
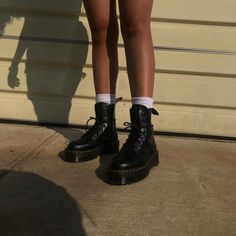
(93, 128)
(135, 137)
(137, 134)
(91, 118)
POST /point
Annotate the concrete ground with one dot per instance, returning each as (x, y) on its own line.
(191, 192)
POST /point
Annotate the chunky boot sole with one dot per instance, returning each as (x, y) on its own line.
(123, 177)
(81, 156)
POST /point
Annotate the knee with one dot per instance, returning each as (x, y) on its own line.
(134, 26)
(100, 25)
(104, 29)
(99, 29)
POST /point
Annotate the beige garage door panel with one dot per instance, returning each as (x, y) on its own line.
(196, 36)
(201, 10)
(43, 6)
(192, 10)
(44, 27)
(75, 54)
(191, 90)
(196, 120)
(177, 89)
(196, 62)
(44, 52)
(165, 34)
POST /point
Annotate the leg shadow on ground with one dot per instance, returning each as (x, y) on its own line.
(32, 205)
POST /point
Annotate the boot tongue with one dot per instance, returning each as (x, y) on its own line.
(104, 112)
(134, 114)
(140, 115)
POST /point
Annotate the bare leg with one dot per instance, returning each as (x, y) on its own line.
(136, 32)
(102, 137)
(104, 28)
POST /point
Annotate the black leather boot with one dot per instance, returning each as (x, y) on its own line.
(99, 139)
(139, 153)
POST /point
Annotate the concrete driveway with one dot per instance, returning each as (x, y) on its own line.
(191, 192)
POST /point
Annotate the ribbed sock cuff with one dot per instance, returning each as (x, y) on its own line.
(106, 97)
(145, 101)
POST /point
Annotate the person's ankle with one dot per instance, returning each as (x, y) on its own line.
(142, 100)
(106, 97)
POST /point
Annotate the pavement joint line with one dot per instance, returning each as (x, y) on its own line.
(28, 156)
(197, 136)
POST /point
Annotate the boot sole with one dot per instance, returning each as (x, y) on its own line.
(82, 156)
(123, 177)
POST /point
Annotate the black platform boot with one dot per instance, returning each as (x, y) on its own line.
(139, 153)
(99, 139)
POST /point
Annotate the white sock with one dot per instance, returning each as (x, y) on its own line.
(145, 101)
(106, 97)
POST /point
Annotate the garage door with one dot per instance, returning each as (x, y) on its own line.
(46, 71)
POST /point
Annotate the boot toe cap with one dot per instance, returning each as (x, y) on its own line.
(125, 163)
(119, 166)
(77, 146)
